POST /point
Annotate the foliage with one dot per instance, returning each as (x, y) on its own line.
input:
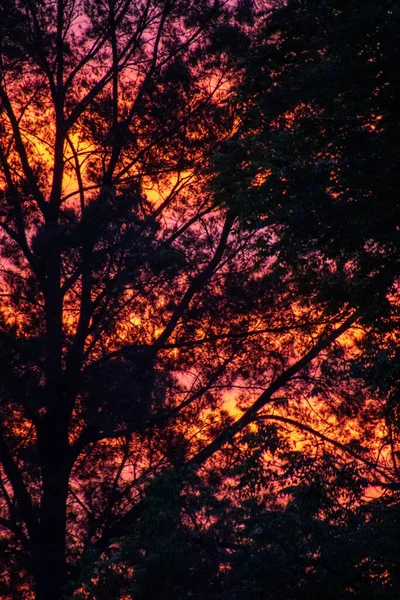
(199, 309)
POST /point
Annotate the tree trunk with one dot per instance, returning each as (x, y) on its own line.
(50, 562)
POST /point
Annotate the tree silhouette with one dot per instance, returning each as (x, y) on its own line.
(319, 171)
(139, 288)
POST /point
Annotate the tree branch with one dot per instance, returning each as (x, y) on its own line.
(198, 282)
(27, 169)
(119, 528)
(323, 437)
(251, 413)
(21, 493)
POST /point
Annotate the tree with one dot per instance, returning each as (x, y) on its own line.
(319, 172)
(100, 101)
(133, 299)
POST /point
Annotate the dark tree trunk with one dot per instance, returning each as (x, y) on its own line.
(50, 563)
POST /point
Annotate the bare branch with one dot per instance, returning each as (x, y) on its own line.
(267, 396)
(21, 493)
(197, 284)
(22, 153)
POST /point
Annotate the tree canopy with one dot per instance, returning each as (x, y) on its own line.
(199, 299)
